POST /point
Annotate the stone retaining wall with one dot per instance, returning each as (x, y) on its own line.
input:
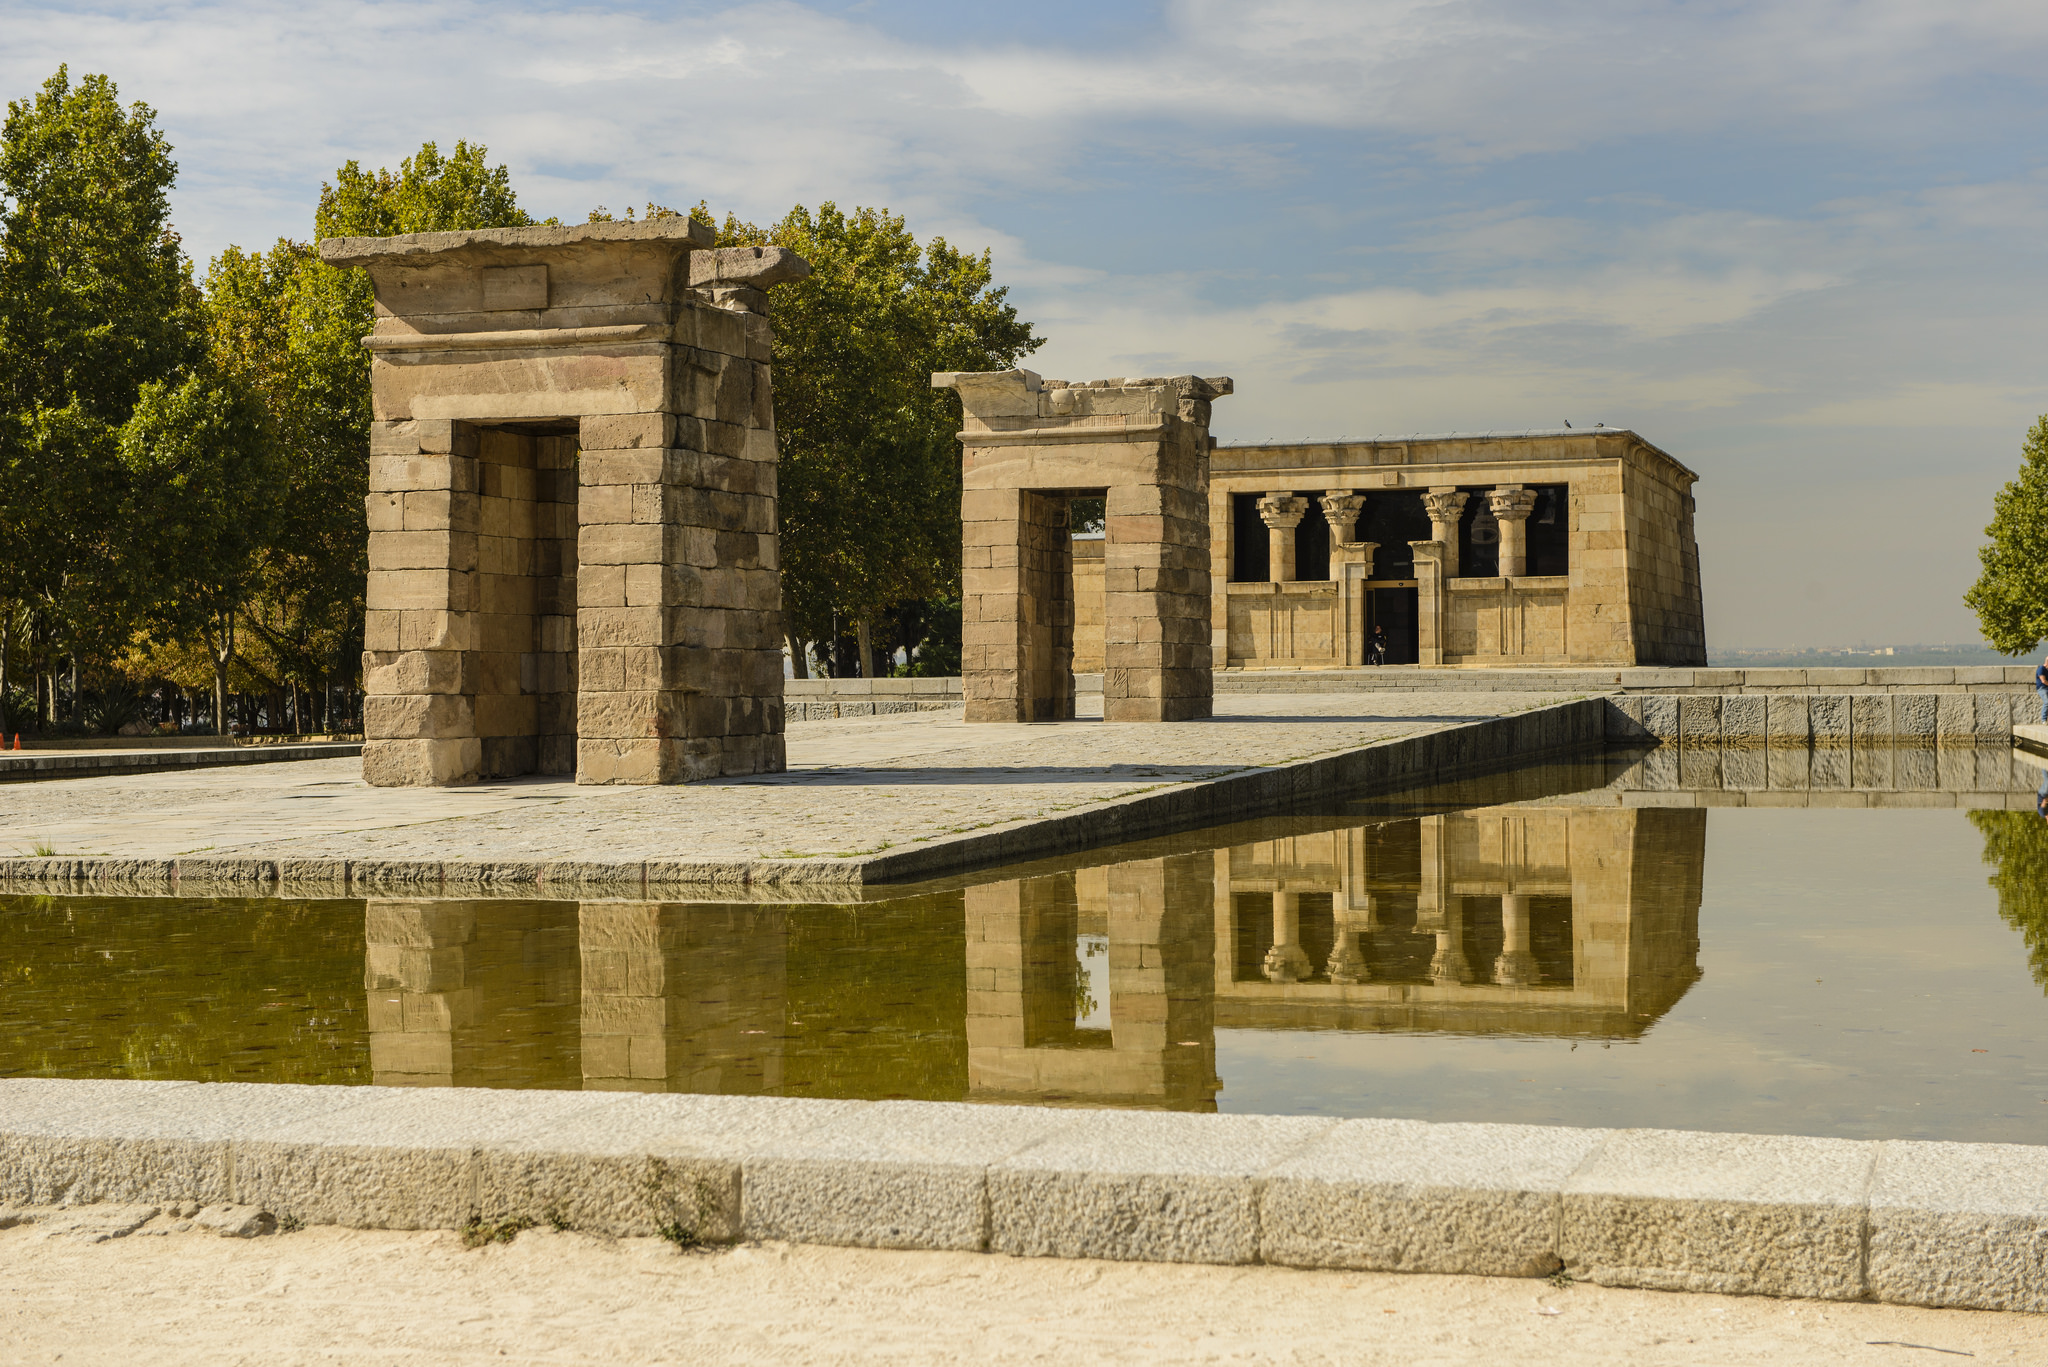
(1936, 1224)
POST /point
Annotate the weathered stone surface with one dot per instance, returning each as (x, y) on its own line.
(1028, 445)
(891, 1175)
(643, 1165)
(1403, 1196)
(1960, 1225)
(1683, 1211)
(397, 1159)
(1138, 1185)
(503, 567)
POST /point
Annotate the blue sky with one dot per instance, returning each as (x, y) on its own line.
(1796, 244)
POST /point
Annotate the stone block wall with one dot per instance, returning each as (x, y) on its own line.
(1155, 664)
(1088, 605)
(574, 564)
(1631, 594)
(1666, 609)
(1017, 606)
(1029, 447)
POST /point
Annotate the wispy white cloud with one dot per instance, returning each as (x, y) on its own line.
(1761, 231)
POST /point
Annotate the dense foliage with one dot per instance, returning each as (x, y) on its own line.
(2010, 596)
(870, 475)
(2016, 846)
(183, 462)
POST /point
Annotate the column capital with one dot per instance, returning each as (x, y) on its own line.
(1444, 505)
(1511, 503)
(1341, 508)
(1281, 512)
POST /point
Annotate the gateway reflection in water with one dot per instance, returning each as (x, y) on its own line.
(1515, 920)
(1588, 945)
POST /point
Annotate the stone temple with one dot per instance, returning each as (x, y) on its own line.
(1554, 548)
(573, 553)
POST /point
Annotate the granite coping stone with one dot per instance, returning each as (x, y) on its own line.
(1408, 1196)
(894, 1174)
(1935, 1224)
(89, 1143)
(1143, 1186)
(404, 1158)
(648, 1163)
(1960, 1225)
(1679, 1210)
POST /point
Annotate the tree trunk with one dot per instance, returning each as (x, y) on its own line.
(867, 648)
(6, 640)
(220, 645)
(77, 698)
(799, 662)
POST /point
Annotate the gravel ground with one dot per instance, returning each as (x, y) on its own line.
(855, 786)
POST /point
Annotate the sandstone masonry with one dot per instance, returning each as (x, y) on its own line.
(1547, 549)
(573, 558)
(1030, 446)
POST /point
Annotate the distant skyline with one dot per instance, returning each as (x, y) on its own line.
(1794, 244)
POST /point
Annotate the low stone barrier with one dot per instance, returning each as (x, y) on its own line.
(30, 765)
(1983, 717)
(1934, 1224)
(1485, 746)
(1655, 679)
(829, 699)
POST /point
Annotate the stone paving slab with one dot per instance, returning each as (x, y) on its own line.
(874, 798)
(1936, 1224)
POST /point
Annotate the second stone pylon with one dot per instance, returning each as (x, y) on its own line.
(1029, 448)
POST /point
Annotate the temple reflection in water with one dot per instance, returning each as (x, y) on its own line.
(1097, 985)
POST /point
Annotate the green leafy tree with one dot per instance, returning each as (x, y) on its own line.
(869, 484)
(96, 301)
(291, 328)
(2016, 846)
(205, 499)
(2010, 596)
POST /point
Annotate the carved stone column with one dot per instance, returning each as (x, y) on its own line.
(1516, 966)
(1511, 507)
(1350, 567)
(1445, 507)
(1287, 961)
(1354, 924)
(1341, 508)
(1430, 573)
(1281, 513)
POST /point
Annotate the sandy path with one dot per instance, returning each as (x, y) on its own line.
(356, 1296)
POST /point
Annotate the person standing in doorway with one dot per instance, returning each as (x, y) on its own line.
(1376, 654)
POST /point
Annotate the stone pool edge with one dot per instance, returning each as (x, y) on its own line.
(1464, 750)
(1945, 1225)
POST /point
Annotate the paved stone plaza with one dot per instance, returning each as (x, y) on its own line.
(854, 786)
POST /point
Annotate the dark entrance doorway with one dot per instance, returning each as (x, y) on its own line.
(1393, 607)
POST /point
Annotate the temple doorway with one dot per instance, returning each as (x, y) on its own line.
(1391, 605)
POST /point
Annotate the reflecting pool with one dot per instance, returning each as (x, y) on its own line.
(1591, 944)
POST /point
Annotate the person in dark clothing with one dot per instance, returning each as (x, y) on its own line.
(1376, 654)
(2041, 685)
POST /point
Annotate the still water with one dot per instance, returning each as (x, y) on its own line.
(1540, 947)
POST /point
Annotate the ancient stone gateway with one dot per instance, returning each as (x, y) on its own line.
(1030, 447)
(572, 505)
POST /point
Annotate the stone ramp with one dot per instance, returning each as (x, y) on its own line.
(1933, 1224)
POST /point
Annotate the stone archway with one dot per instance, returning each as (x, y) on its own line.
(573, 560)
